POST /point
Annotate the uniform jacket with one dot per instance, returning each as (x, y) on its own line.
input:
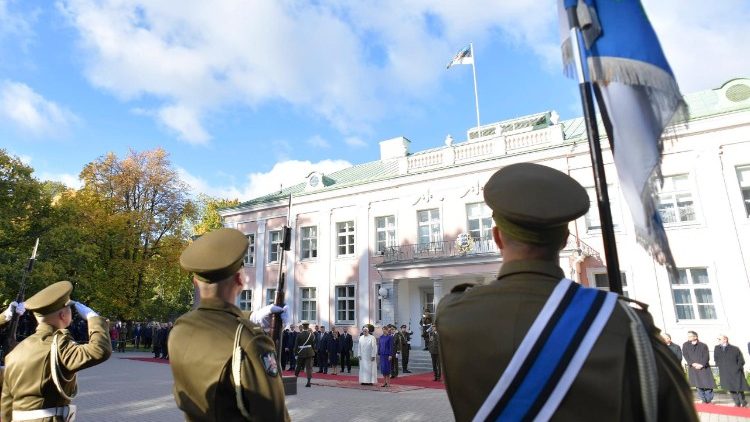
(305, 337)
(731, 368)
(201, 345)
(482, 327)
(698, 353)
(433, 343)
(398, 343)
(28, 381)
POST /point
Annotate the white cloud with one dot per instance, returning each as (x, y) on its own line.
(15, 24)
(355, 142)
(349, 62)
(283, 174)
(32, 112)
(318, 142)
(69, 180)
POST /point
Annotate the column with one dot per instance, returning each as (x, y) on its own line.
(437, 290)
(388, 301)
(260, 265)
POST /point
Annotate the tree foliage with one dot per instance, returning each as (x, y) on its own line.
(208, 217)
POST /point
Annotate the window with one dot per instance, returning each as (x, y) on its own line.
(385, 232)
(345, 232)
(274, 245)
(250, 255)
(593, 222)
(345, 300)
(676, 200)
(479, 221)
(270, 296)
(601, 280)
(309, 246)
(308, 304)
(429, 231)
(693, 298)
(246, 300)
(743, 174)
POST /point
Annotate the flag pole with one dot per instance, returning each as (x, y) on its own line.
(597, 162)
(476, 95)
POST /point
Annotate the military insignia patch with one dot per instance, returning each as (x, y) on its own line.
(269, 363)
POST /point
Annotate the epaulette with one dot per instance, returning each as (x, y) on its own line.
(254, 329)
(641, 305)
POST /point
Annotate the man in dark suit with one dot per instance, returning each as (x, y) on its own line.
(347, 344)
(699, 370)
(674, 348)
(731, 370)
(405, 347)
(325, 338)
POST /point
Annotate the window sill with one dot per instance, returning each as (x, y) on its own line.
(682, 224)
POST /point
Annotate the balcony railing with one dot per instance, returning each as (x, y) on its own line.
(442, 249)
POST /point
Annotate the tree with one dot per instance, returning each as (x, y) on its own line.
(208, 213)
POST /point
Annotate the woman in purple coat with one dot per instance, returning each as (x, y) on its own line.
(385, 349)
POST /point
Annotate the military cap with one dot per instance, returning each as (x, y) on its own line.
(215, 255)
(51, 298)
(534, 203)
(304, 324)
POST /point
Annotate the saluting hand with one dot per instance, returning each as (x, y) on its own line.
(84, 310)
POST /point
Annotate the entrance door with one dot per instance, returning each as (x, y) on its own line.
(428, 301)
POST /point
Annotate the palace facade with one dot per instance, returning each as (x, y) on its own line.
(381, 241)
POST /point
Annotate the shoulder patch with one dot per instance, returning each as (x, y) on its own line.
(269, 363)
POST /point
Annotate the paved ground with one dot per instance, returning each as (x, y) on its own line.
(127, 390)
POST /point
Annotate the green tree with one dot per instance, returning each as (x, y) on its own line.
(208, 217)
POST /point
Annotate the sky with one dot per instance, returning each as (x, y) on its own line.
(248, 95)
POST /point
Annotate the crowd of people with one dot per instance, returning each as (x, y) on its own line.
(147, 335)
(333, 350)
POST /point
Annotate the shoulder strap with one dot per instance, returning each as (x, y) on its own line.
(551, 355)
(646, 361)
(237, 356)
(56, 371)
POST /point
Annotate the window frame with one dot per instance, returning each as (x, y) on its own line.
(350, 300)
(308, 243)
(270, 295)
(273, 248)
(675, 194)
(313, 309)
(249, 259)
(378, 303)
(390, 240)
(245, 303)
(691, 287)
(349, 236)
(481, 219)
(592, 273)
(432, 244)
(744, 189)
(593, 212)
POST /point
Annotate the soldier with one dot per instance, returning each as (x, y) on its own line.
(405, 347)
(426, 323)
(40, 373)
(397, 348)
(5, 318)
(224, 366)
(304, 348)
(564, 352)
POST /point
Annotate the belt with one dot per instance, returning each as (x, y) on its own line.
(68, 413)
(305, 347)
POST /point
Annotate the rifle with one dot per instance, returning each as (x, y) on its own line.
(9, 340)
(285, 245)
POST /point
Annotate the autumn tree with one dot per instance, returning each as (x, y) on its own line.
(207, 216)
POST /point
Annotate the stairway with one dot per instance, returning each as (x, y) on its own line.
(419, 360)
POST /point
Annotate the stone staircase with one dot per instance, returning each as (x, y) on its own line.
(419, 360)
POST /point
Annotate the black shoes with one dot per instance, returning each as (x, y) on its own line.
(308, 384)
(406, 371)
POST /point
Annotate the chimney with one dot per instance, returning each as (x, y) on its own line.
(394, 148)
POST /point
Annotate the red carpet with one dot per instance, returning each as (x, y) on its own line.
(723, 410)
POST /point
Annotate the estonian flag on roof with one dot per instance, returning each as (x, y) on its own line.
(462, 57)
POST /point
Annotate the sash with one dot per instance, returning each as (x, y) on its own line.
(549, 358)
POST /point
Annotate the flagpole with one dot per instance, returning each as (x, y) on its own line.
(597, 162)
(476, 95)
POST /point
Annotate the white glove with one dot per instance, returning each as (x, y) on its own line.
(84, 310)
(8, 313)
(264, 315)
(21, 308)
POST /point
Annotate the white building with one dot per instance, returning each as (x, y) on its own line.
(391, 225)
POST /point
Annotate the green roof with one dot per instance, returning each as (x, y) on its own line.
(733, 96)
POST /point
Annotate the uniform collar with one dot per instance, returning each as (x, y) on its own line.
(216, 304)
(531, 266)
(45, 329)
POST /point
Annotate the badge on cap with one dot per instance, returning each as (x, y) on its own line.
(269, 363)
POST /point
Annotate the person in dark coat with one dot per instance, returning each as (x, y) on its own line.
(699, 370)
(147, 337)
(675, 349)
(346, 345)
(137, 334)
(322, 354)
(405, 339)
(285, 348)
(333, 347)
(731, 364)
(318, 338)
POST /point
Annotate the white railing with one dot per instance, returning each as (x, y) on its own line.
(425, 160)
(473, 150)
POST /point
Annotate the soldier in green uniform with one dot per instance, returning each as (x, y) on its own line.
(398, 346)
(304, 349)
(40, 373)
(547, 368)
(224, 366)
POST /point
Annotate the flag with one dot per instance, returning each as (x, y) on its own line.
(464, 56)
(638, 97)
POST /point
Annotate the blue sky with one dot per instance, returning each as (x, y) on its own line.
(246, 95)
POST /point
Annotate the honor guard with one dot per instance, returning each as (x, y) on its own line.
(40, 373)
(224, 366)
(304, 348)
(560, 351)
